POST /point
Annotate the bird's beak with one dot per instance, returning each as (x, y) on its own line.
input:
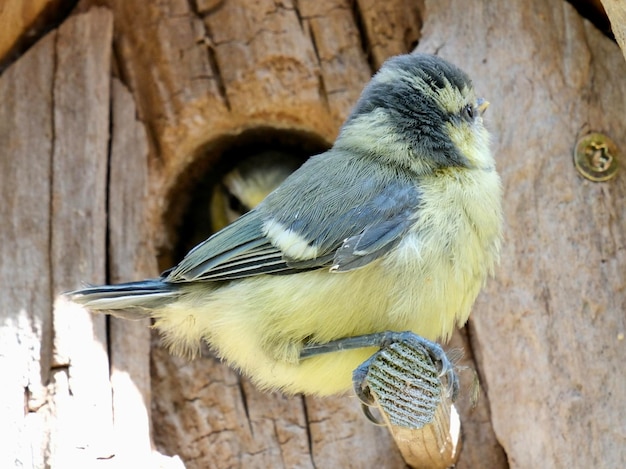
(482, 105)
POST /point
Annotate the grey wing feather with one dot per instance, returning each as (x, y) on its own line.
(374, 242)
(350, 223)
(239, 250)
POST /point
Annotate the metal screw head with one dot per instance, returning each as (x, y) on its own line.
(595, 157)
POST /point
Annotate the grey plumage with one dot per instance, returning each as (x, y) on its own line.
(127, 300)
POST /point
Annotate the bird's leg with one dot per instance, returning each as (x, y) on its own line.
(382, 340)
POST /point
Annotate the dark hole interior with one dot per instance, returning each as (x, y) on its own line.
(217, 185)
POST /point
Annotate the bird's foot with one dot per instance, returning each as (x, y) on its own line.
(385, 339)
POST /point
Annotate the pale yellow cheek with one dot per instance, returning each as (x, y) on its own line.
(473, 143)
(372, 131)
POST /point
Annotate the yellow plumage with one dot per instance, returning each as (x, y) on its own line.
(258, 324)
(395, 228)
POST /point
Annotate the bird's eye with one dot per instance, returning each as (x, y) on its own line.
(469, 113)
(235, 204)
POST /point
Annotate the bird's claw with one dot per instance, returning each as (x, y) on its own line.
(362, 391)
(359, 382)
(434, 350)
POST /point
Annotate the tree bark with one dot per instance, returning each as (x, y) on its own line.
(94, 168)
(26, 307)
(548, 332)
(616, 12)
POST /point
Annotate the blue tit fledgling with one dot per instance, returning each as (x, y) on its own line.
(395, 228)
(247, 184)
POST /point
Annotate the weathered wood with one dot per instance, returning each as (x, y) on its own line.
(435, 446)
(335, 36)
(616, 11)
(480, 448)
(548, 331)
(341, 436)
(130, 257)
(61, 124)
(389, 28)
(213, 418)
(245, 35)
(169, 71)
(25, 305)
(547, 334)
(78, 227)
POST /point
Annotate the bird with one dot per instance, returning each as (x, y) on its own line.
(237, 183)
(246, 185)
(392, 231)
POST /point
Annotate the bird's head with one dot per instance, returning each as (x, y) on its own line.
(419, 112)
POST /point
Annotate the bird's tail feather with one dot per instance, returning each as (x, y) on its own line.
(133, 300)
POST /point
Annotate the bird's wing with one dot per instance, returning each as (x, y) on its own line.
(307, 226)
(239, 250)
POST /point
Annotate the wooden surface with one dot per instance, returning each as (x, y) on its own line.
(26, 307)
(129, 256)
(55, 185)
(85, 158)
(616, 11)
(548, 332)
(80, 110)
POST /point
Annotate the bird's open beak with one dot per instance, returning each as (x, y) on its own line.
(482, 105)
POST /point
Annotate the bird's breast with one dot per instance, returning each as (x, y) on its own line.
(440, 266)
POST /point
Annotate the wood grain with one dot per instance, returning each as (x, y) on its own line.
(547, 331)
(130, 257)
(25, 306)
(333, 31)
(81, 94)
(546, 335)
(389, 28)
(56, 143)
(616, 11)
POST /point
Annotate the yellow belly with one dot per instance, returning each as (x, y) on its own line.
(427, 285)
